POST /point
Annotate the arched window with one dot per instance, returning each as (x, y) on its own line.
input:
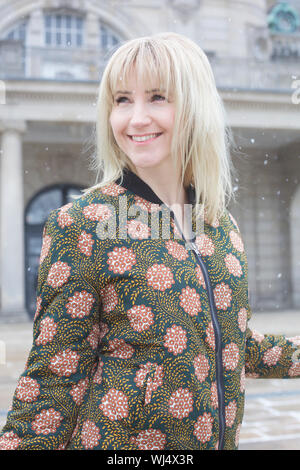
(63, 30)
(108, 38)
(36, 214)
(18, 32)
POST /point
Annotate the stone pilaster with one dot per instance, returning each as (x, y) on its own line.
(12, 223)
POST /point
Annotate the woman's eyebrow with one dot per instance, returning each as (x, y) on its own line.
(146, 91)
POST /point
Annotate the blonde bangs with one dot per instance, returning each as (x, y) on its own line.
(149, 62)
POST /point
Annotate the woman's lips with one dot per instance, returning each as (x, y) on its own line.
(143, 142)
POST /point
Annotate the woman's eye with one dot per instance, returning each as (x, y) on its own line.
(159, 96)
(119, 100)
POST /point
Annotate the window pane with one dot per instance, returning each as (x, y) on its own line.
(79, 40)
(68, 39)
(48, 37)
(68, 21)
(58, 21)
(58, 39)
(79, 23)
(48, 21)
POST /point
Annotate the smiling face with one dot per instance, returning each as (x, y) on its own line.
(142, 121)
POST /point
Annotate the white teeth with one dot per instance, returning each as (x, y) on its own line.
(142, 139)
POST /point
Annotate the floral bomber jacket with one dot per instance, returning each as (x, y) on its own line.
(139, 342)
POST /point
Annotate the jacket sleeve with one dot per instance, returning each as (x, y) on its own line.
(267, 355)
(66, 333)
(271, 356)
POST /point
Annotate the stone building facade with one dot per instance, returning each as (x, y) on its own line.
(52, 53)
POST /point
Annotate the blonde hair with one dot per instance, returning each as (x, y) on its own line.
(201, 141)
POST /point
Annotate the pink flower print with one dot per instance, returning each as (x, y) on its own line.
(230, 413)
(45, 247)
(100, 212)
(118, 348)
(252, 375)
(294, 371)
(237, 435)
(114, 404)
(233, 265)
(153, 384)
(66, 207)
(142, 373)
(38, 307)
(181, 403)
(295, 340)
(200, 277)
(94, 336)
(222, 295)
(272, 356)
(64, 363)
(27, 389)
(78, 390)
(103, 330)
(205, 245)
(58, 274)
(140, 317)
(150, 439)
(214, 395)
(257, 336)
(121, 260)
(47, 421)
(48, 329)
(230, 356)
(85, 243)
(137, 229)
(10, 441)
(90, 435)
(210, 336)
(201, 366)
(176, 250)
(236, 241)
(112, 189)
(177, 234)
(190, 301)
(175, 340)
(80, 304)
(203, 427)
(146, 205)
(159, 277)
(64, 219)
(109, 298)
(242, 319)
(98, 374)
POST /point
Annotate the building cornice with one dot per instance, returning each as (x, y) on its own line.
(76, 102)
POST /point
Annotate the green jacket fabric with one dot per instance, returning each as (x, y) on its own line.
(139, 341)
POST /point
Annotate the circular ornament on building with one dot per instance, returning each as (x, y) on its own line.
(283, 18)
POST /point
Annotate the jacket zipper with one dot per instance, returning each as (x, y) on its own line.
(218, 339)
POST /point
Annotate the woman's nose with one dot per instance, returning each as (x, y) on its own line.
(140, 114)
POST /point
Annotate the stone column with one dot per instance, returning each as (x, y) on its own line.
(12, 223)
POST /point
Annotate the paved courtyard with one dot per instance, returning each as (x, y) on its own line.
(272, 410)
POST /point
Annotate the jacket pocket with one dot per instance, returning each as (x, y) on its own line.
(152, 381)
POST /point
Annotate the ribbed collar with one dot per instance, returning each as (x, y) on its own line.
(134, 183)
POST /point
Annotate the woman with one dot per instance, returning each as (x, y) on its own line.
(141, 340)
